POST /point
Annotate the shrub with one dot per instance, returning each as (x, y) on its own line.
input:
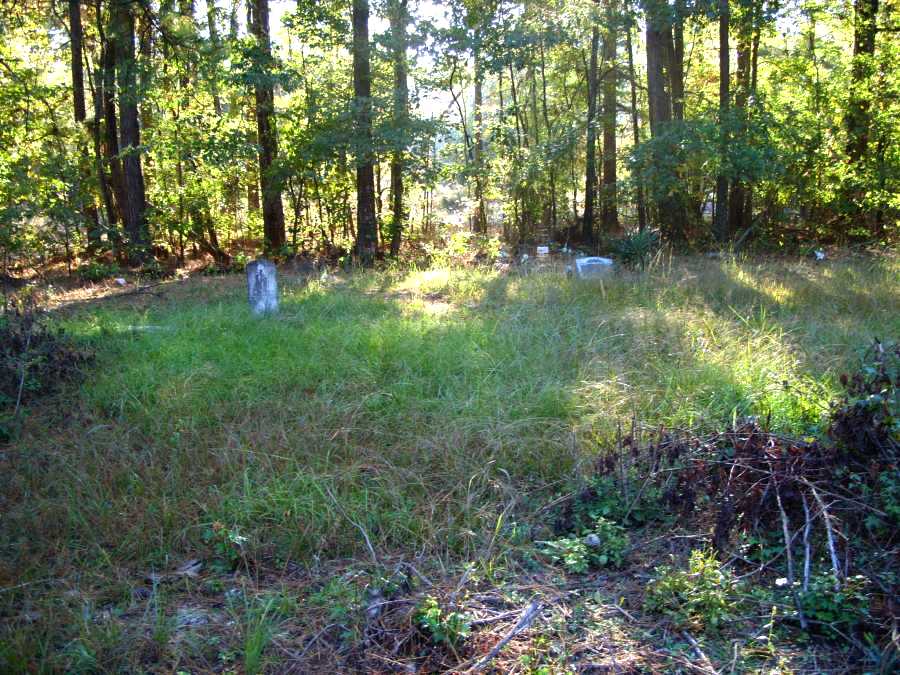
(604, 545)
(698, 597)
(34, 358)
(97, 271)
(847, 606)
(635, 250)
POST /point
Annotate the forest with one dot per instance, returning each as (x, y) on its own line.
(419, 336)
(134, 132)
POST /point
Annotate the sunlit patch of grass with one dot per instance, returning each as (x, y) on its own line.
(419, 407)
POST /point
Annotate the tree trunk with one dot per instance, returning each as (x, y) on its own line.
(399, 20)
(76, 39)
(273, 210)
(111, 125)
(479, 219)
(366, 234)
(635, 127)
(737, 199)
(134, 207)
(669, 207)
(590, 182)
(722, 229)
(858, 120)
(610, 206)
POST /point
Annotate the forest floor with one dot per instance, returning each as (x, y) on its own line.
(362, 482)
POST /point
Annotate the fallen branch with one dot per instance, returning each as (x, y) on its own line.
(523, 623)
(699, 652)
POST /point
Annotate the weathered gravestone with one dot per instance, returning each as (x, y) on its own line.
(593, 267)
(262, 287)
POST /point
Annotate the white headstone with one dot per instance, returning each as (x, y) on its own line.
(262, 287)
(593, 268)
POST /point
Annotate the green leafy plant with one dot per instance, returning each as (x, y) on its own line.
(448, 628)
(845, 607)
(227, 544)
(698, 597)
(635, 250)
(94, 271)
(603, 545)
(604, 500)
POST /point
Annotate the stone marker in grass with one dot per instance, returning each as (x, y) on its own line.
(592, 268)
(262, 287)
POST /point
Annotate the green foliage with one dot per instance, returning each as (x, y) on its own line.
(604, 499)
(845, 608)
(227, 544)
(443, 627)
(602, 545)
(94, 271)
(342, 598)
(635, 250)
(699, 597)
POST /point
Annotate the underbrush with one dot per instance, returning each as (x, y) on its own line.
(443, 419)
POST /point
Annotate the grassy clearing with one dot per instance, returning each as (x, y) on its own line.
(432, 410)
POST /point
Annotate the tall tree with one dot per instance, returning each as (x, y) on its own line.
(669, 205)
(273, 210)
(722, 229)
(635, 128)
(590, 173)
(367, 228)
(76, 39)
(858, 119)
(399, 19)
(135, 200)
(609, 201)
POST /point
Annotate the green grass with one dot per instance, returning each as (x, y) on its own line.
(426, 408)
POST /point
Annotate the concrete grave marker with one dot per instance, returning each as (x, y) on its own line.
(262, 287)
(593, 267)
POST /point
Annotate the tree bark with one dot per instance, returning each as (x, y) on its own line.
(609, 201)
(635, 127)
(76, 39)
(273, 210)
(399, 20)
(590, 182)
(722, 229)
(366, 233)
(858, 120)
(479, 219)
(134, 207)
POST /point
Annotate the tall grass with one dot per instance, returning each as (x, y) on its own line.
(416, 407)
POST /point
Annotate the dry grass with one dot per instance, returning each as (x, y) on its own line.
(432, 410)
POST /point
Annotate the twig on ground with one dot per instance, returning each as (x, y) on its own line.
(786, 529)
(826, 518)
(523, 623)
(354, 523)
(699, 652)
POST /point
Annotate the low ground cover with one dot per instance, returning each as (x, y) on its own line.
(224, 492)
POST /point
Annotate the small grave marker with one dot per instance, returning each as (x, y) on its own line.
(593, 267)
(262, 287)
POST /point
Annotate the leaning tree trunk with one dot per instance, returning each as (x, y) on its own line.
(273, 210)
(367, 230)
